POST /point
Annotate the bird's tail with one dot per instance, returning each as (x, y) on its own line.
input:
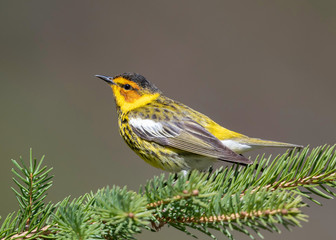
(256, 142)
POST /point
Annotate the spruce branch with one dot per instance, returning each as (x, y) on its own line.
(72, 220)
(32, 184)
(291, 171)
(255, 208)
(263, 196)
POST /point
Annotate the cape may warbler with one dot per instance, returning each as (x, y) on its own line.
(171, 136)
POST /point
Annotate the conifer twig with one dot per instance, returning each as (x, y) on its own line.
(255, 197)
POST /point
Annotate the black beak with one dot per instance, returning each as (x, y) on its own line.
(109, 80)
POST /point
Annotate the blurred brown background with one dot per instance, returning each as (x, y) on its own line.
(263, 68)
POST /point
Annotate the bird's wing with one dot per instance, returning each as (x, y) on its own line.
(186, 135)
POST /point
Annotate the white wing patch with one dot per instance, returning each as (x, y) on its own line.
(235, 146)
(189, 137)
(156, 129)
(149, 126)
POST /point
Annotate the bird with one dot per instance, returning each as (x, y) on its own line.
(172, 136)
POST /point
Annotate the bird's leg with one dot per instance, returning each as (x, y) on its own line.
(185, 172)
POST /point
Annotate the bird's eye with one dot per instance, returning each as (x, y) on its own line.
(127, 87)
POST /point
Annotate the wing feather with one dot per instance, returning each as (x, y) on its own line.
(186, 135)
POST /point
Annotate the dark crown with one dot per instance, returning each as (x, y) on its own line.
(140, 80)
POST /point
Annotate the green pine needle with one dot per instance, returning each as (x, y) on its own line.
(262, 197)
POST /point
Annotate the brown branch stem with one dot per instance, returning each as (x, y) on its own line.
(221, 218)
(297, 182)
(28, 234)
(185, 195)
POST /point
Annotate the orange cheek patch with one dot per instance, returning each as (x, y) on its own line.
(130, 96)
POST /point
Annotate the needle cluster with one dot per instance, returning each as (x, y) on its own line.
(264, 196)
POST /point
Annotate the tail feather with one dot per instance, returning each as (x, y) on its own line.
(244, 144)
(256, 142)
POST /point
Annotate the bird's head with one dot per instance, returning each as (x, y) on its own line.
(131, 90)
